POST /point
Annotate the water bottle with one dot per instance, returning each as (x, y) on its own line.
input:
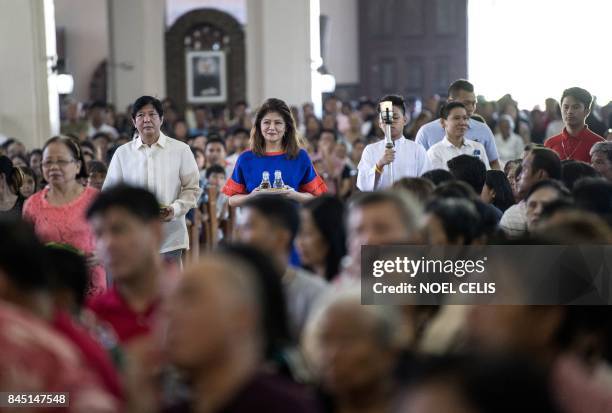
(265, 180)
(278, 180)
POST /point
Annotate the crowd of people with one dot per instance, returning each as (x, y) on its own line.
(94, 283)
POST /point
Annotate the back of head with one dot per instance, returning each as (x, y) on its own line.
(546, 160)
(498, 182)
(594, 195)
(478, 384)
(469, 169)
(438, 176)
(604, 148)
(572, 171)
(455, 189)
(21, 255)
(420, 188)
(327, 212)
(67, 272)
(574, 227)
(137, 201)
(278, 211)
(459, 218)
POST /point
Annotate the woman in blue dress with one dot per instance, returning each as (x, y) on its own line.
(274, 147)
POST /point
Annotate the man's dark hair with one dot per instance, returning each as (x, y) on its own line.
(455, 189)
(581, 95)
(458, 85)
(396, 100)
(552, 184)
(547, 160)
(215, 169)
(498, 182)
(572, 171)
(469, 169)
(332, 131)
(594, 195)
(94, 167)
(137, 201)
(459, 218)
(214, 139)
(446, 108)
(438, 176)
(280, 212)
(98, 104)
(21, 255)
(241, 130)
(143, 101)
(67, 270)
(101, 135)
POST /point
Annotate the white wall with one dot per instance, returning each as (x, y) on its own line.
(278, 51)
(86, 39)
(342, 57)
(176, 8)
(24, 92)
(137, 50)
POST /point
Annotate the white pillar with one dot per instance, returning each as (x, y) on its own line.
(278, 38)
(25, 72)
(137, 65)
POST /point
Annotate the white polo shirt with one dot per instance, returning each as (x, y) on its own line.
(444, 151)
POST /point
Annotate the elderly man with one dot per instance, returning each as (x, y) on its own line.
(215, 337)
(164, 166)
(601, 158)
(378, 218)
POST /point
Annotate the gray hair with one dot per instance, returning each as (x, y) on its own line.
(602, 147)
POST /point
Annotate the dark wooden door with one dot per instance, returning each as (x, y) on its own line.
(411, 47)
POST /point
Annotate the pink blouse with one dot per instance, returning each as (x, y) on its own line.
(66, 224)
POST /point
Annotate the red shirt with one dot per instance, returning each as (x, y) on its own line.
(574, 147)
(98, 360)
(127, 323)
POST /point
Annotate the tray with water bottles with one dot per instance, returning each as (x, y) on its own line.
(277, 186)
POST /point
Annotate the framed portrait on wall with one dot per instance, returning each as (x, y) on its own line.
(206, 77)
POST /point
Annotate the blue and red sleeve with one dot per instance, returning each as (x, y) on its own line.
(311, 181)
(236, 184)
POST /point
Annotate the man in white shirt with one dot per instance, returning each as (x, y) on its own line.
(164, 166)
(431, 133)
(407, 158)
(509, 144)
(454, 120)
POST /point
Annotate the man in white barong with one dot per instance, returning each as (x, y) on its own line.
(407, 158)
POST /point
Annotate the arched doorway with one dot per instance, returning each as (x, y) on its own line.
(221, 39)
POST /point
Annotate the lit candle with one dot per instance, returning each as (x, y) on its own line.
(386, 105)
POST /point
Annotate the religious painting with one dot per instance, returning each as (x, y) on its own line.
(206, 77)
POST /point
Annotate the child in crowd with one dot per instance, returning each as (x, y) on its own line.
(96, 172)
(28, 186)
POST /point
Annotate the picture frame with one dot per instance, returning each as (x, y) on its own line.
(206, 77)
